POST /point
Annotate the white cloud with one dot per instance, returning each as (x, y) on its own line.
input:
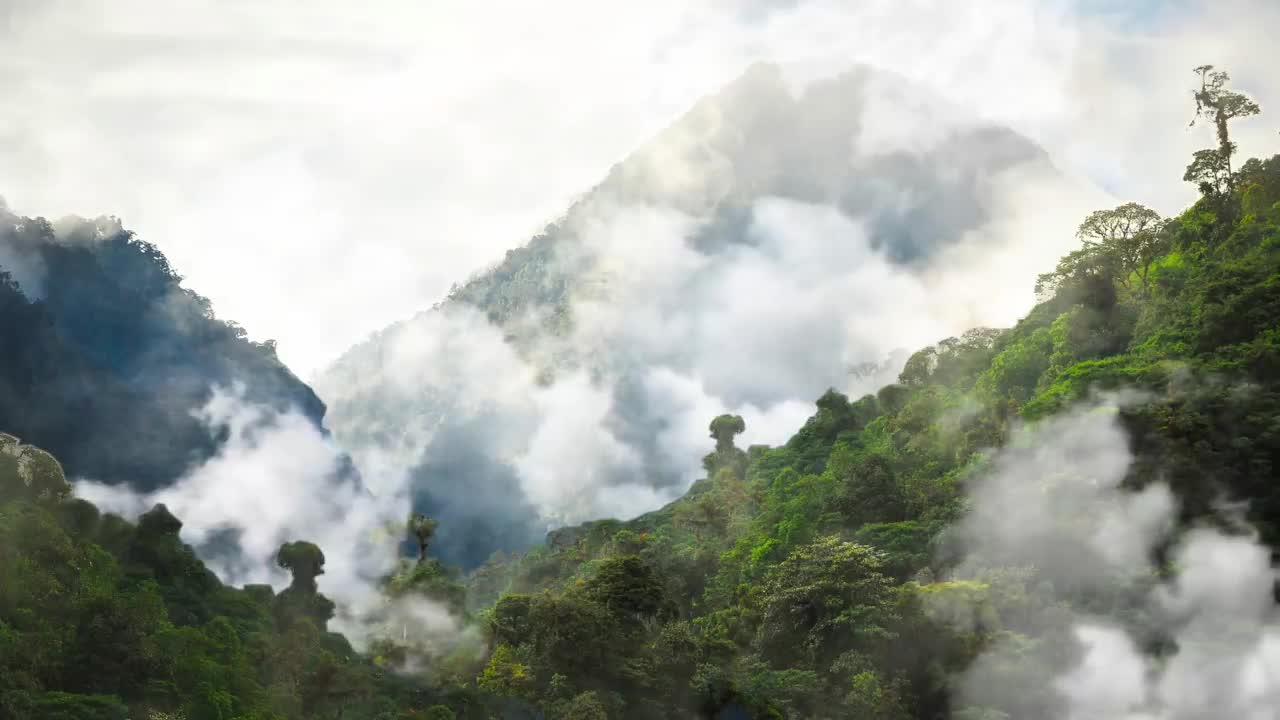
(277, 479)
(561, 471)
(350, 162)
(666, 335)
(1053, 501)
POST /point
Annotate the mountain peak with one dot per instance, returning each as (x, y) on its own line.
(587, 317)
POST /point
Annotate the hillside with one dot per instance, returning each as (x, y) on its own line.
(955, 544)
(104, 619)
(631, 303)
(108, 357)
(1074, 517)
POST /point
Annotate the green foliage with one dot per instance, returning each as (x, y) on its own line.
(803, 576)
(145, 630)
(62, 706)
(439, 712)
(428, 579)
(823, 597)
(303, 560)
(723, 429)
(584, 706)
(628, 586)
(726, 455)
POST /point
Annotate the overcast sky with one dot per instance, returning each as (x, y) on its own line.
(320, 169)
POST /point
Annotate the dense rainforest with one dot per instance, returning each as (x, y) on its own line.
(922, 552)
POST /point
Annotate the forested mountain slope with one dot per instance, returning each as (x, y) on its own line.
(634, 291)
(103, 619)
(1075, 517)
(970, 541)
(107, 357)
(870, 567)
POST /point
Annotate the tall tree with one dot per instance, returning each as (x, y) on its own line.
(304, 561)
(724, 428)
(302, 598)
(726, 454)
(1115, 244)
(826, 596)
(423, 529)
(1131, 235)
(1211, 168)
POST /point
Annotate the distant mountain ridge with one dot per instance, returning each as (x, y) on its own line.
(107, 356)
(752, 139)
(728, 166)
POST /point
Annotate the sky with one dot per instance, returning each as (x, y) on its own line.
(321, 170)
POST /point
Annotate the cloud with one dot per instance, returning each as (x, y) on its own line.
(426, 633)
(350, 165)
(20, 257)
(24, 268)
(277, 479)
(1054, 501)
(716, 270)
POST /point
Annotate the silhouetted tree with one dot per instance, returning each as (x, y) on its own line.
(304, 561)
(726, 454)
(302, 599)
(724, 428)
(1115, 244)
(1211, 168)
(423, 529)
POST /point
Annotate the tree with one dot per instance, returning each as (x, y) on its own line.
(80, 516)
(629, 586)
(952, 359)
(158, 522)
(726, 454)
(1115, 244)
(585, 706)
(509, 619)
(304, 561)
(1211, 168)
(868, 490)
(423, 529)
(870, 696)
(1130, 236)
(724, 428)
(825, 597)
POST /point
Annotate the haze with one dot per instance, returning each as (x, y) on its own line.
(321, 173)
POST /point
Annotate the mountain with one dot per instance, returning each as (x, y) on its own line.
(1074, 517)
(641, 310)
(108, 357)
